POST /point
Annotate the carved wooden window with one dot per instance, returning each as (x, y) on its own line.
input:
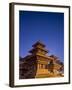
(46, 66)
(41, 65)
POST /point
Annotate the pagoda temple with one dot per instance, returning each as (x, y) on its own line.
(38, 64)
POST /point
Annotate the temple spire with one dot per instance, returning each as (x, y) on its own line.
(38, 43)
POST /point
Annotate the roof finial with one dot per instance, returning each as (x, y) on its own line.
(40, 41)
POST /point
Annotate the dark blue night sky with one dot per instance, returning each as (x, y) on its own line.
(47, 27)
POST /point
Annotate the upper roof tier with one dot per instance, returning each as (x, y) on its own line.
(36, 50)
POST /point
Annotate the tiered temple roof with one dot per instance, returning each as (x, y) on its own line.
(38, 47)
